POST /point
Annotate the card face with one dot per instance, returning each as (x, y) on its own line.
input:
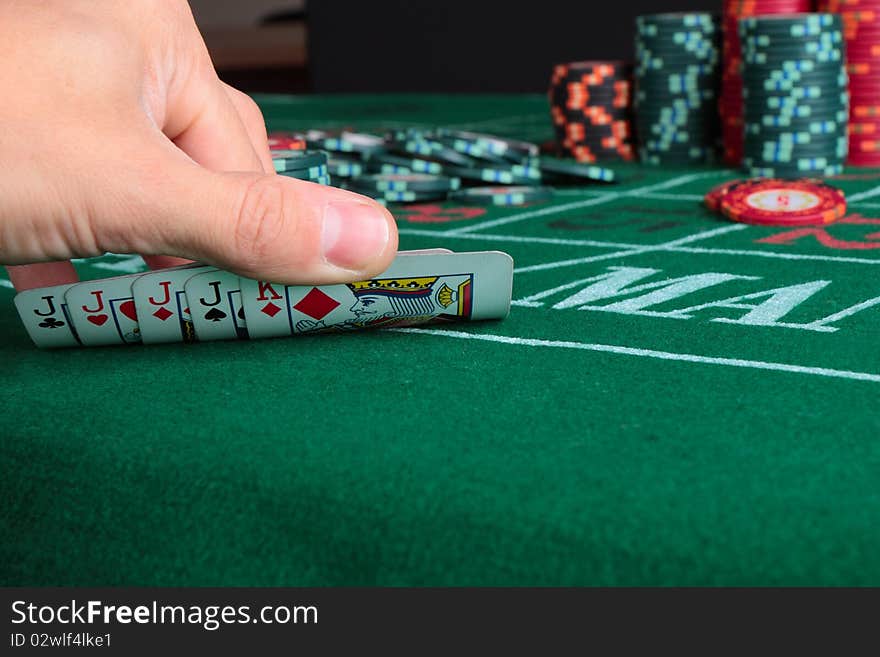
(416, 289)
(215, 304)
(162, 308)
(46, 318)
(103, 311)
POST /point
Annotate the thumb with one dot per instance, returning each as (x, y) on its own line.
(261, 226)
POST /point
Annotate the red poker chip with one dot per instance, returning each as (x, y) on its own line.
(864, 128)
(712, 199)
(286, 141)
(771, 202)
(869, 163)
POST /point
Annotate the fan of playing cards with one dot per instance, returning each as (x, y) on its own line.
(197, 302)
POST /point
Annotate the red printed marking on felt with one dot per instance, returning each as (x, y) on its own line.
(437, 214)
(827, 240)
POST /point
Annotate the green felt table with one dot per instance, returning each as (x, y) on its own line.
(674, 400)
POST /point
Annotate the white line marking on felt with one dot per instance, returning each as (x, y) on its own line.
(775, 254)
(578, 192)
(650, 353)
(699, 250)
(5, 283)
(553, 209)
(647, 248)
(697, 198)
(610, 196)
(861, 196)
(522, 239)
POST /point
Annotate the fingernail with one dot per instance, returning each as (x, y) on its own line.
(353, 234)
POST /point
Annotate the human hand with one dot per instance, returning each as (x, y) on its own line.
(117, 135)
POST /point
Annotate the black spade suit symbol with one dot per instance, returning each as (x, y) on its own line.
(215, 315)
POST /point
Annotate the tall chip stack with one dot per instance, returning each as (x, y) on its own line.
(676, 81)
(795, 95)
(591, 107)
(730, 105)
(861, 30)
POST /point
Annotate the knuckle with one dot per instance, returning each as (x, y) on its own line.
(266, 220)
(249, 107)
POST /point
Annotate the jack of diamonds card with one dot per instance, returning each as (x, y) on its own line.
(162, 307)
(415, 290)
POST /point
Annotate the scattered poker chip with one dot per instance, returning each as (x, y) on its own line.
(390, 163)
(784, 203)
(290, 160)
(568, 170)
(503, 195)
(407, 182)
(306, 174)
(400, 197)
(511, 175)
(713, 197)
(431, 150)
(344, 141)
(473, 149)
(344, 168)
(508, 149)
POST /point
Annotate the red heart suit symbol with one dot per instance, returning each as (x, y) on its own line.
(128, 310)
(97, 320)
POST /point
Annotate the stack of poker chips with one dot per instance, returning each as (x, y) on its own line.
(591, 109)
(795, 95)
(861, 31)
(730, 104)
(302, 164)
(676, 80)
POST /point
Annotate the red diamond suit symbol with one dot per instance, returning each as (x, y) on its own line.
(162, 314)
(316, 304)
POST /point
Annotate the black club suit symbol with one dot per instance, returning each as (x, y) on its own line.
(51, 323)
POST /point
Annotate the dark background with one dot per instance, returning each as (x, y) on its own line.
(442, 45)
(467, 45)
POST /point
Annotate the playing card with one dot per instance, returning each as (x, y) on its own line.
(416, 289)
(45, 316)
(161, 303)
(423, 252)
(103, 311)
(215, 302)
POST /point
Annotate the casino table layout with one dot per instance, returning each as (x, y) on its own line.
(675, 399)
